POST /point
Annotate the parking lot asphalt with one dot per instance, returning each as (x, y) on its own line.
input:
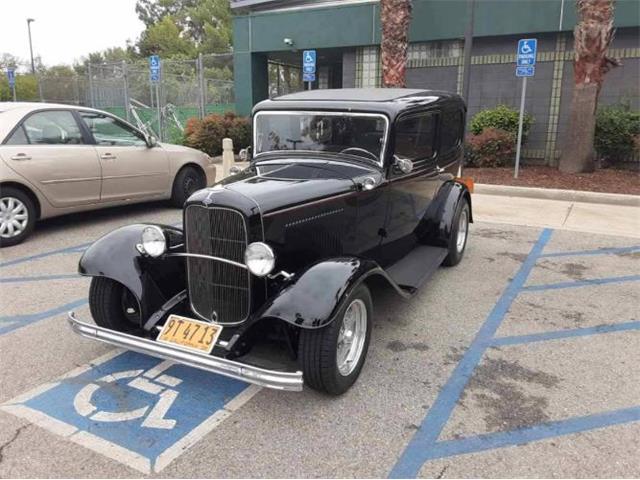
(520, 362)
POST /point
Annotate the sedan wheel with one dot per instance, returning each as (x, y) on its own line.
(17, 216)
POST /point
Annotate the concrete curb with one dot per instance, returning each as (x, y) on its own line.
(556, 194)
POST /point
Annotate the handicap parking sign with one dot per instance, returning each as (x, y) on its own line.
(527, 49)
(136, 409)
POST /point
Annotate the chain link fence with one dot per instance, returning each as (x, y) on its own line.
(186, 88)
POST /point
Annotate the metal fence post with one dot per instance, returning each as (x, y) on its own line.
(160, 129)
(91, 99)
(125, 77)
(201, 99)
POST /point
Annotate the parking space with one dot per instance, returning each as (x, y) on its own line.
(521, 361)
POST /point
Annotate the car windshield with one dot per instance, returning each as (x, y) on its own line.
(355, 134)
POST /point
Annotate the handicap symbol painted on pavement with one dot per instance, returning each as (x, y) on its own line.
(139, 410)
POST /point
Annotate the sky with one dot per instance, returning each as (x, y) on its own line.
(65, 30)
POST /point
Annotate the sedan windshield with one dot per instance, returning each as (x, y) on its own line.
(354, 134)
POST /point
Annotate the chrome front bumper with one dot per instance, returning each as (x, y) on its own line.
(229, 368)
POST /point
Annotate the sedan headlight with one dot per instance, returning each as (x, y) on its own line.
(153, 241)
(259, 259)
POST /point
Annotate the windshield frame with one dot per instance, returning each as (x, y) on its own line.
(385, 138)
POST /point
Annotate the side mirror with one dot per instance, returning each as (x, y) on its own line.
(245, 154)
(403, 164)
(151, 141)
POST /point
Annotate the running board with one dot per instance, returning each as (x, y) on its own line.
(417, 267)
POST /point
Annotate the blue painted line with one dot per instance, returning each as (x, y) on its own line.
(11, 323)
(40, 278)
(599, 251)
(581, 283)
(416, 452)
(577, 332)
(60, 251)
(570, 426)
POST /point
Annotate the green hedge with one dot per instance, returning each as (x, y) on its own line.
(503, 118)
(617, 132)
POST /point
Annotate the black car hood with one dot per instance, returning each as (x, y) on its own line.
(276, 185)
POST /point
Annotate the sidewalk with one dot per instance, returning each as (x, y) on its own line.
(584, 217)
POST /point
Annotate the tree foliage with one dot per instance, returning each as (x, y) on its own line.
(205, 24)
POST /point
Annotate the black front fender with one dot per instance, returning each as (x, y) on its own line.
(152, 281)
(314, 296)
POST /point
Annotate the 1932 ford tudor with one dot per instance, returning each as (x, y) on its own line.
(269, 279)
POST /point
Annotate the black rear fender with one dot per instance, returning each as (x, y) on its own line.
(435, 228)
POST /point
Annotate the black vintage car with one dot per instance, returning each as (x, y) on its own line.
(270, 278)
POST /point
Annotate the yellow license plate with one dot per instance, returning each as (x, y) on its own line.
(188, 333)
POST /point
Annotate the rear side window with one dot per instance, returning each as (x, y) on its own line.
(18, 137)
(415, 136)
(55, 127)
(451, 135)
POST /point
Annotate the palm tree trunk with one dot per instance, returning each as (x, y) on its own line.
(395, 16)
(592, 37)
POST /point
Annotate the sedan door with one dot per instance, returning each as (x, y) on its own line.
(130, 169)
(50, 151)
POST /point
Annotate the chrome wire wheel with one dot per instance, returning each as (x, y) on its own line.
(463, 227)
(14, 217)
(351, 338)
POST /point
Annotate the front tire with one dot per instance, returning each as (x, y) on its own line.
(113, 306)
(17, 216)
(459, 234)
(187, 181)
(332, 357)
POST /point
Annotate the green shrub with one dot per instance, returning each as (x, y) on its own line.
(491, 148)
(207, 134)
(501, 117)
(617, 130)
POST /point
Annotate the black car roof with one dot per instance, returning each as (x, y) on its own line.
(389, 101)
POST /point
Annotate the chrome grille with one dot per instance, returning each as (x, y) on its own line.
(217, 289)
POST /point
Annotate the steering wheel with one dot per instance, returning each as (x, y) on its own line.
(361, 150)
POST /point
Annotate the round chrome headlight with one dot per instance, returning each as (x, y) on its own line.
(259, 259)
(153, 241)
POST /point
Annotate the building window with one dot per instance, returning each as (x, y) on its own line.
(323, 77)
(440, 49)
(368, 71)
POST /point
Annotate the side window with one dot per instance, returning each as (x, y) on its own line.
(55, 127)
(109, 131)
(18, 137)
(415, 135)
(451, 130)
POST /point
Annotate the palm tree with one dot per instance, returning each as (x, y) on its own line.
(592, 37)
(395, 16)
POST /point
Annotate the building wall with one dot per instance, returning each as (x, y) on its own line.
(436, 54)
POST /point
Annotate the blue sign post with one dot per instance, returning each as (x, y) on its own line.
(309, 66)
(154, 68)
(525, 67)
(11, 77)
(154, 78)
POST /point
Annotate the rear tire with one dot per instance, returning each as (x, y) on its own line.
(329, 363)
(113, 306)
(459, 234)
(187, 181)
(17, 216)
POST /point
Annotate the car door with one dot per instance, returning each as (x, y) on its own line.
(49, 149)
(130, 169)
(410, 193)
